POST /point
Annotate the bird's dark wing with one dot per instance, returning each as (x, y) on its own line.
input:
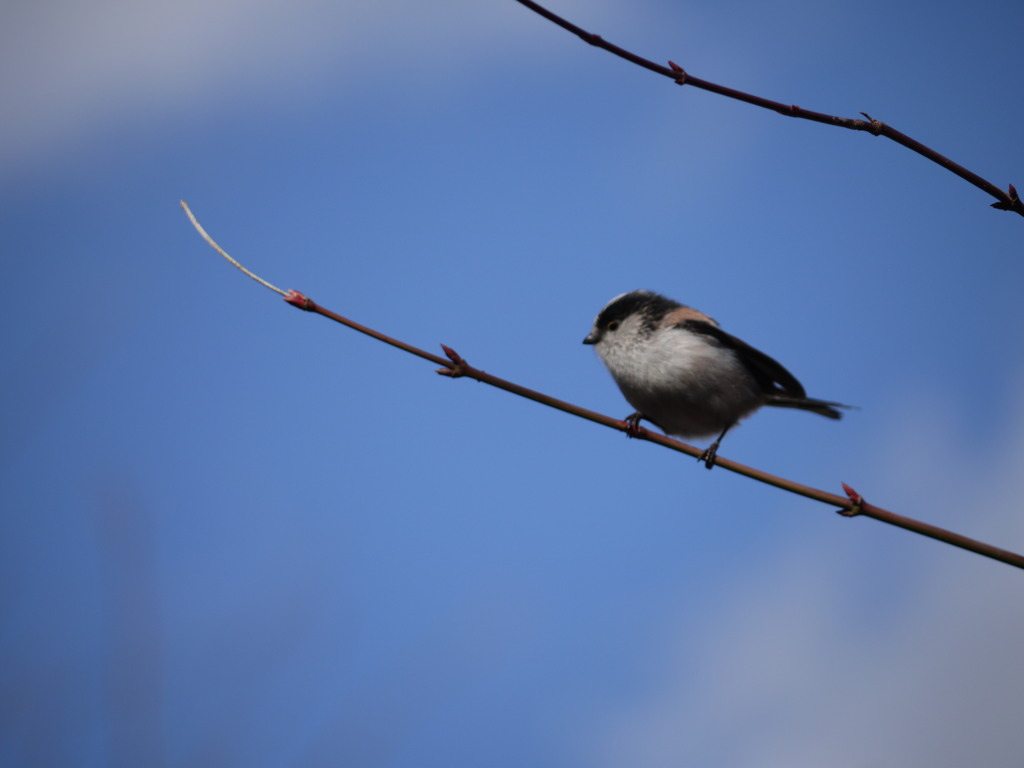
(769, 374)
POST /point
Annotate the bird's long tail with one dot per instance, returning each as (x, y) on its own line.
(821, 407)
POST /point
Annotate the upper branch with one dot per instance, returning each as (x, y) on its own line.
(1007, 201)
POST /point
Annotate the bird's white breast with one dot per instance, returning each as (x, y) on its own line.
(684, 382)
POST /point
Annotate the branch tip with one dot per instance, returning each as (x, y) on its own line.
(222, 252)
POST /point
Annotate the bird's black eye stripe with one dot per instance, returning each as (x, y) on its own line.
(651, 307)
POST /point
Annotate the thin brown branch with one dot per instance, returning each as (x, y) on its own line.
(1007, 201)
(454, 366)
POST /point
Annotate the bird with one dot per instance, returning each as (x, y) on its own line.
(687, 376)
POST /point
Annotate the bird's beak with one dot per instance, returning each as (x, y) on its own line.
(591, 338)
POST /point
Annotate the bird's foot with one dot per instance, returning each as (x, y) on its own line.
(708, 457)
(632, 422)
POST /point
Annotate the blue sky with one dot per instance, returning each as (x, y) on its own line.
(236, 534)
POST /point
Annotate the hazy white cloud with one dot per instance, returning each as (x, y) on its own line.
(71, 68)
(828, 663)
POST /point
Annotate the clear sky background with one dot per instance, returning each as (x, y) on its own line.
(235, 534)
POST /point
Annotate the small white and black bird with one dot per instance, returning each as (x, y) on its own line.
(687, 376)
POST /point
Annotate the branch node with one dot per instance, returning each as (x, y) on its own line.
(874, 126)
(680, 73)
(1012, 203)
(458, 366)
(857, 505)
(300, 301)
